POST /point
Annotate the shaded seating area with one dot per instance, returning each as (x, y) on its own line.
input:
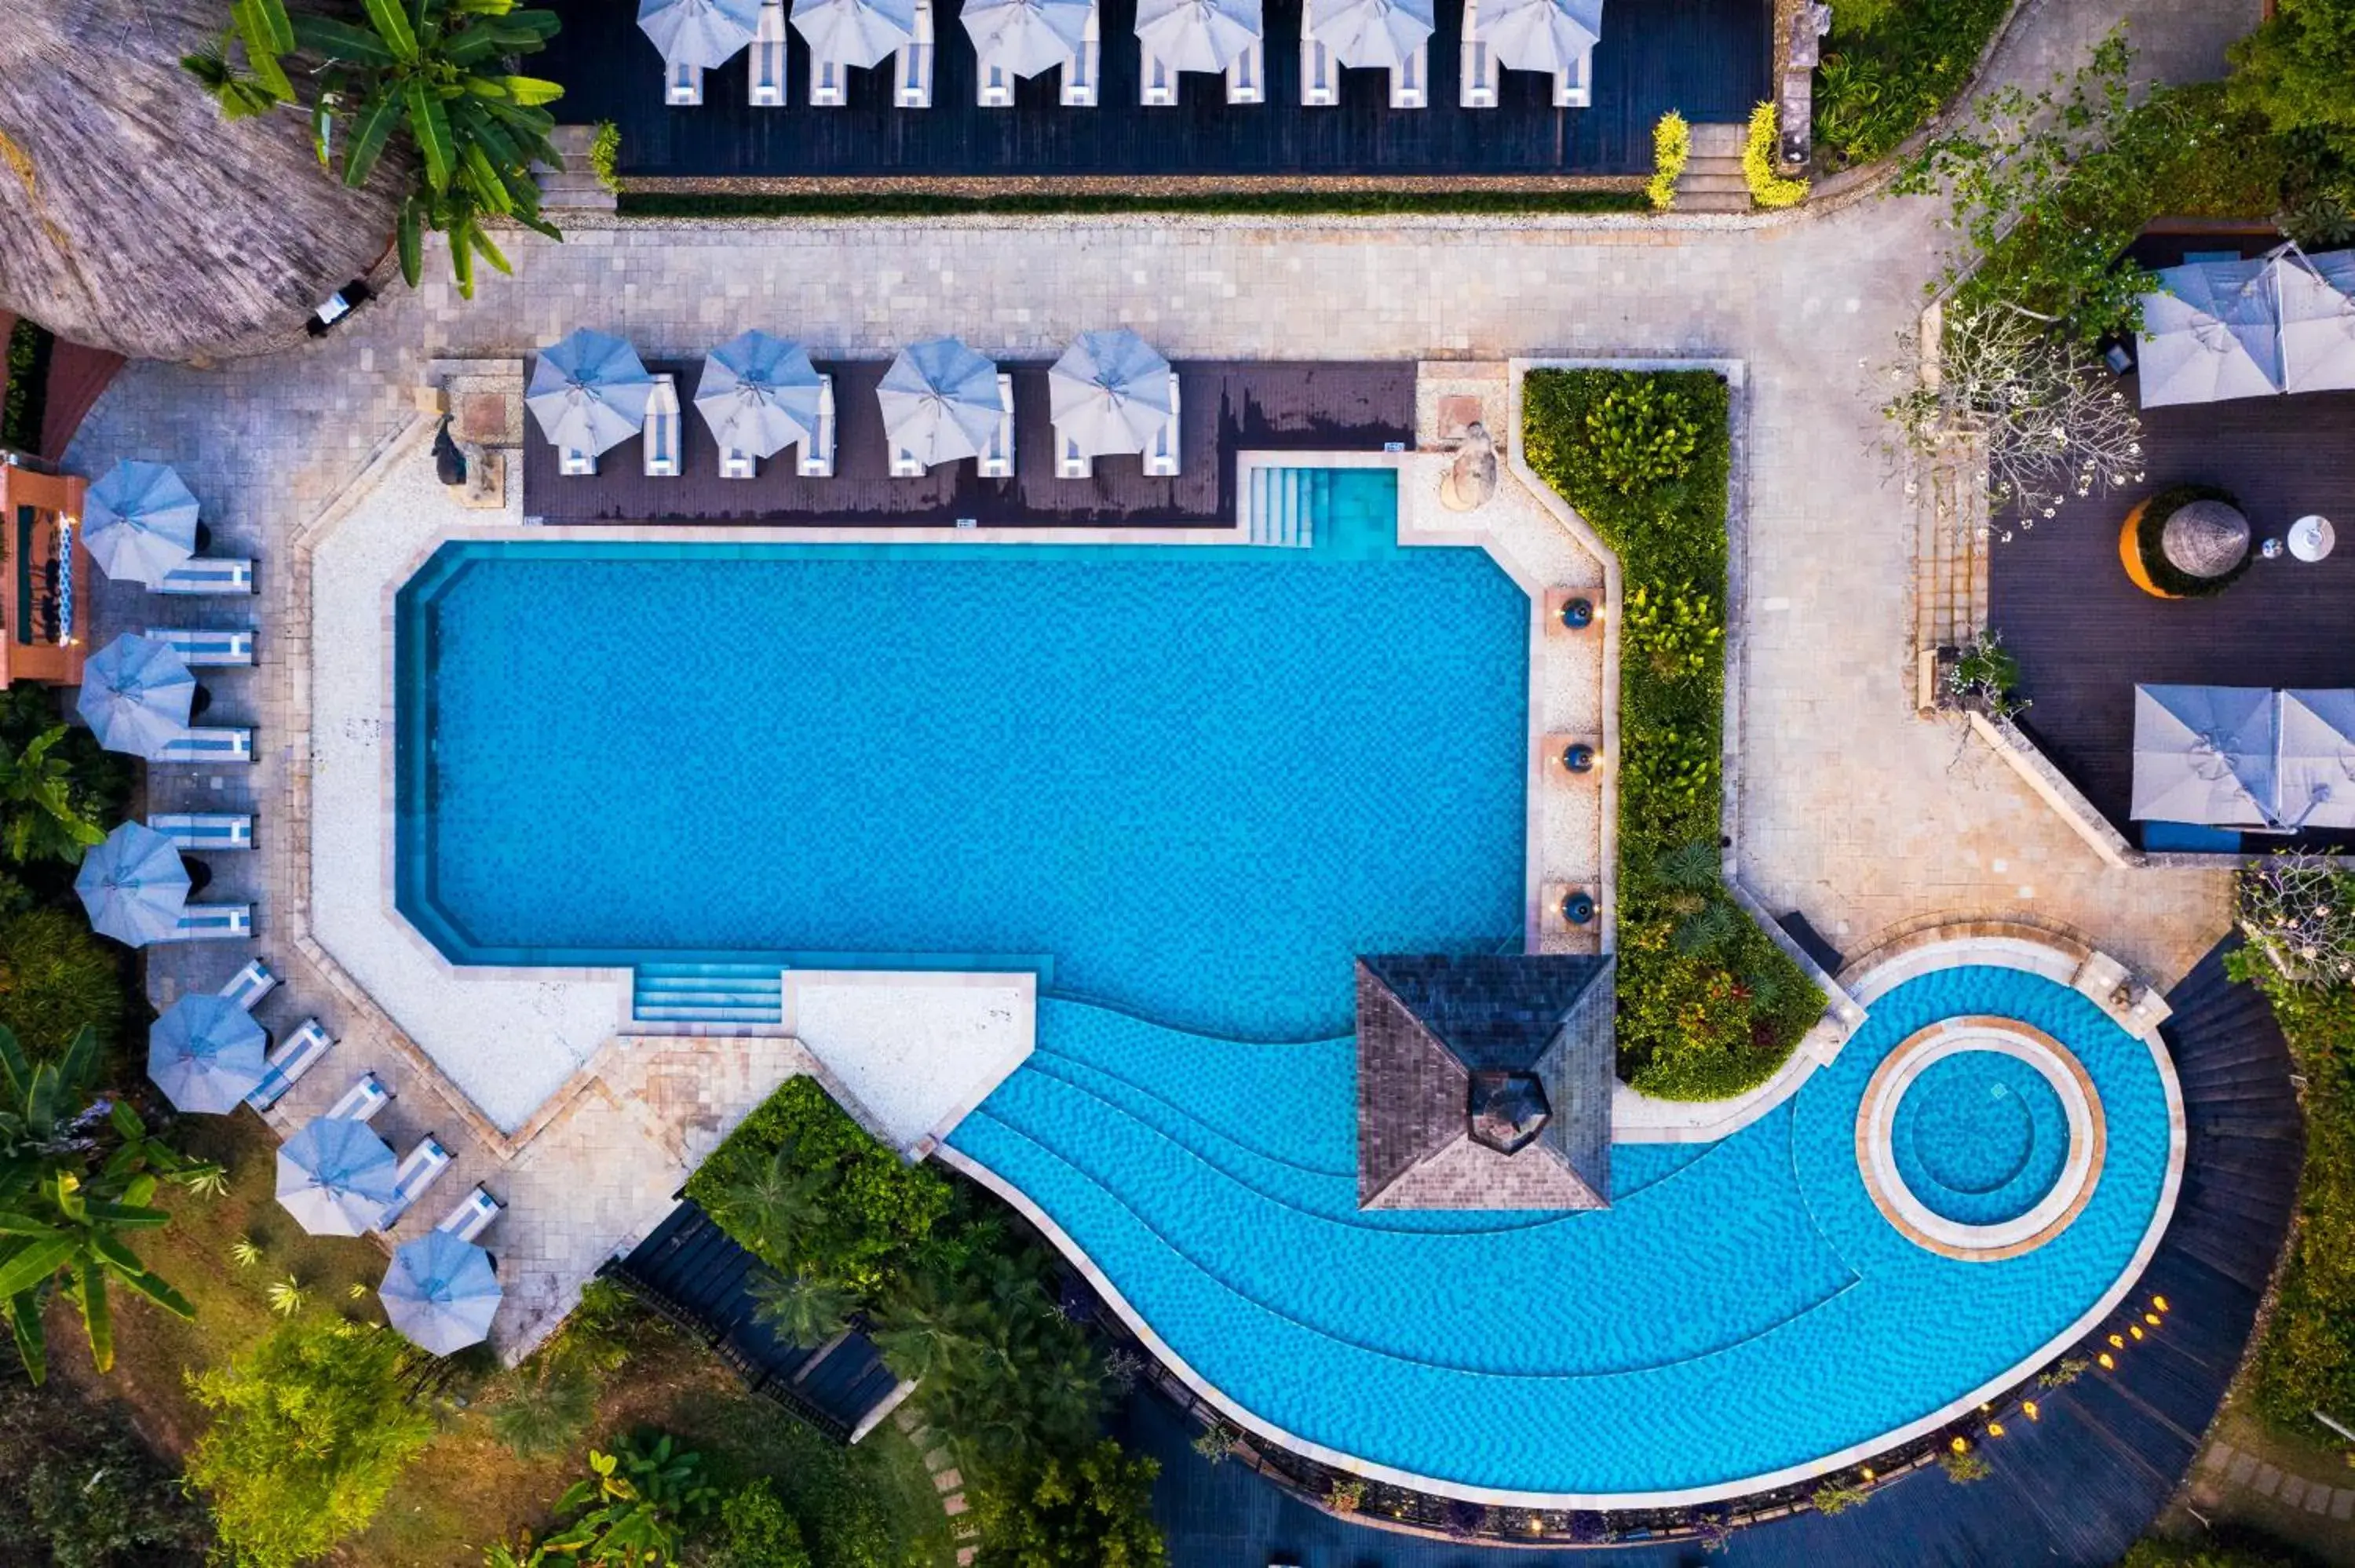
(2227, 326)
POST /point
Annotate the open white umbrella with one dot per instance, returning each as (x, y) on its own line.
(134, 885)
(939, 402)
(2315, 295)
(1027, 36)
(2316, 768)
(861, 33)
(336, 1177)
(1109, 393)
(2214, 332)
(1541, 34)
(135, 696)
(1374, 35)
(205, 1054)
(2204, 754)
(589, 392)
(439, 1293)
(139, 521)
(1199, 34)
(759, 394)
(707, 33)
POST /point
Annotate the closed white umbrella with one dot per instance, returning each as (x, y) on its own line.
(2316, 299)
(707, 33)
(1027, 36)
(1108, 393)
(1541, 34)
(1199, 34)
(939, 402)
(2204, 754)
(2316, 767)
(1374, 35)
(861, 33)
(2214, 333)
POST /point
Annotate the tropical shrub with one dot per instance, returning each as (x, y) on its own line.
(1831, 1498)
(83, 1492)
(311, 1428)
(1759, 149)
(1986, 672)
(633, 1508)
(545, 1406)
(1094, 1510)
(1886, 68)
(755, 1531)
(2294, 71)
(1671, 150)
(2225, 1546)
(55, 788)
(55, 980)
(1709, 1006)
(30, 346)
(606, 156)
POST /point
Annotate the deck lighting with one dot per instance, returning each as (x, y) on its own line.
(2151, 1319)
(1995, 1428)
(1578, 614)
(1578, 909)
(2116, 1343)
(1867, 1472)
(2136, 1329)
(2027, 1407)
(2107, 1363)
(1960, 1445)
(2159, 1302)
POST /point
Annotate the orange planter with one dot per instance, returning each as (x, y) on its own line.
(2130, 554)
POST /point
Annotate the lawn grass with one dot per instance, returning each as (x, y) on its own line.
(888, 204)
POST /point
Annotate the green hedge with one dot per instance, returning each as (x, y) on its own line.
(1886, 68)
(888, 204)
(28, 367)
(2307, 1361)
(876, 1208)
(1709, 1006)
(2229, 1546)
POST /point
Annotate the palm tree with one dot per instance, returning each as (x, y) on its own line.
(72, 1180)
(546, 1406)
(774, 1207)
(807, 1310)
(923, 1333)
(42, 815)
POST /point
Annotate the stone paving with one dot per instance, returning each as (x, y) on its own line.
(2221, 1466)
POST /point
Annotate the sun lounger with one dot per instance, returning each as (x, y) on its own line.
(1245, 73)
(661, 440)
(224, 744)
(765, 61)
(1161, 456)
(913, 88)
(205, 645)
(1574, 88)
(905, 464)
(1080, 72)
(250, 985)
(213, 922)
(1070, 462)
(993, 84)
(415, 1173)
(205, 833)
(997, 457)
(295, 1055)
(473, 1215)
(1480, 73)
(736, 464)
(208, 575)
(817, 453)
(1157, 83)
(1410, 84)
(362, 1100)
(829, 83)
(1320, 74)
(682, 84)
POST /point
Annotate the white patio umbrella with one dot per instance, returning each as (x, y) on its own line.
(707, 33)
(439, 1293)
(2316, 297)
(2204, 754)
(939, 402)
(1027, 36)
(139, 521)
(589, 392)
(135, 696)
(2316, 768)
(2214, 333)
(1199, 34)
(335, 1176)
(1108, 393)
(1541, 34)
(860, 32)
(759, 394)
(1374, 35)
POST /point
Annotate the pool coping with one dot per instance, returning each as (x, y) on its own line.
(1963, 951)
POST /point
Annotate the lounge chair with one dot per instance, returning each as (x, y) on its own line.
(250, 985)
(1320, 74)
(205, 833)
(473, 1215)
(199, 646)
(415, 1173)
(213, 922)
(1574, 88)
(913, 88)
(997, 457)
(1411, 83)
(208, 575)
(765, 62)
(295, 1055)
(993, 83)
(682, 84)
(217, 746)
(1081, 71)
(829, 83)
(1070, 462)
(1161, 455)
(362, 1100)
(817, 453)
(661, 439)
(1157, 83)
(1480, 74)
(574, 463)
(906, 465)
(1246, 73)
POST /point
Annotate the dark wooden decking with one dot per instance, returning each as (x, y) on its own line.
(1223, 408)
(2068, 1491)
(690, 1272)
(2085, 635)
(1707, 59)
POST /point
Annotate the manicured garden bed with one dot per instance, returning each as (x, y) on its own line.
(1709, 1006)
(1889, 67)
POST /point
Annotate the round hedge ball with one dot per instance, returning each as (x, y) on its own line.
(2189, 541)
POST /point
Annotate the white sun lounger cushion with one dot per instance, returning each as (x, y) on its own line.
(206, 831)
(817, 453)
(295, 1056)
(206, 645)
(362, 1100)
(209, 746)
(765, 61)
(208, 575)
(415, 1173)
(473, 1215)
(250, 985)
(913, 88)
(1080, 70)
(213, 923)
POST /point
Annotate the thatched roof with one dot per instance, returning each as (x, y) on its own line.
(137, 219)
(2205, 538)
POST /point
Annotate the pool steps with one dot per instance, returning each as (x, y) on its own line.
(1285, 504)
(709, 993)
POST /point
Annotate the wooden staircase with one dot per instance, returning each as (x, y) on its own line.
(1712, 179)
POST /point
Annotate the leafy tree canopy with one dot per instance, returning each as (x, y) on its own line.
(1090, 1511)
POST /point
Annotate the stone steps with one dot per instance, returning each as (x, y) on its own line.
(573, 187)
(1712, 180)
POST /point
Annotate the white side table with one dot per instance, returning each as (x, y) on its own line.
(2312, 537)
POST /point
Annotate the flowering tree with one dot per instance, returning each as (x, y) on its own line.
(2032, 422)
(2298, 913)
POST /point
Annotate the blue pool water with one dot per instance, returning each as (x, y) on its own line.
(1980, 1138)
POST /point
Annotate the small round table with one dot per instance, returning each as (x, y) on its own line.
(2312, 537)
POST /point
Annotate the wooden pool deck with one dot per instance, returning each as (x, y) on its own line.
(1707, 59)
(1225, 407)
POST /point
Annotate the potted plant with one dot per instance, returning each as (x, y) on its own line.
(2189, 541)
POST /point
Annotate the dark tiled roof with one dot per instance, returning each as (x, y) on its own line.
(1430, 1029)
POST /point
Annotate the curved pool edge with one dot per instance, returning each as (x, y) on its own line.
(1972, 954)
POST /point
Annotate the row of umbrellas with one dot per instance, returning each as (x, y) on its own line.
(1110, 393)
(2245, 756)
(2280, 323)
(1028, 36)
